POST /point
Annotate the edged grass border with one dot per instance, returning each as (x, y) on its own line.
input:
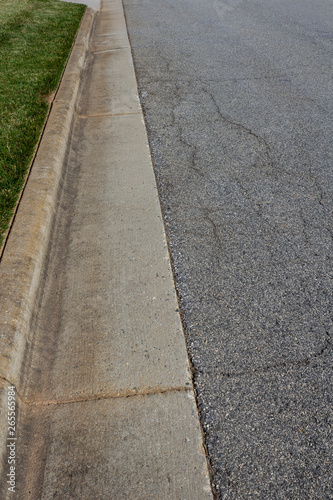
(35, 43)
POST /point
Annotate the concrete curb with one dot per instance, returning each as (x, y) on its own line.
(100, 345)
(27, 244)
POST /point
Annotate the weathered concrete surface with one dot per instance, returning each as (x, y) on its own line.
(24, 254)
(106, 404)
(127, 448)
(108, 320)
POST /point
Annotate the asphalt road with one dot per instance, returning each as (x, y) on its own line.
(237, 96)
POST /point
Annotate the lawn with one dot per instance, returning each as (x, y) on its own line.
(36, 37)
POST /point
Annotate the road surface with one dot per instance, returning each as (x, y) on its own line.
(238, 103)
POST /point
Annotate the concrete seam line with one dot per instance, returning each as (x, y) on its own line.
(27, 243)
(96, 397)
(109, 50)
(102, 115)
(109, 396)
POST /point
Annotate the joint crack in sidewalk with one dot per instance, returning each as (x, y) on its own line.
(113, 395)
(102, 115)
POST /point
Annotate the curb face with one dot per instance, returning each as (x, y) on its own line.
(26, 246)
(25, 250)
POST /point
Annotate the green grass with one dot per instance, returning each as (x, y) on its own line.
(35, 40)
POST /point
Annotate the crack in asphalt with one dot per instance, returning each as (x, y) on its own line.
(194, 164)
(306, 361)
(215, 227)
(234, 123)
(194, 153)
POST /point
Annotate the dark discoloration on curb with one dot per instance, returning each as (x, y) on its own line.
(27, 243)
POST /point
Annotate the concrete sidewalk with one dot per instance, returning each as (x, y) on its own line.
(106, 403)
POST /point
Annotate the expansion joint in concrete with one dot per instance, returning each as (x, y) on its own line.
(109, 50)
(6, 380)
(102, 115)
(112, 395)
